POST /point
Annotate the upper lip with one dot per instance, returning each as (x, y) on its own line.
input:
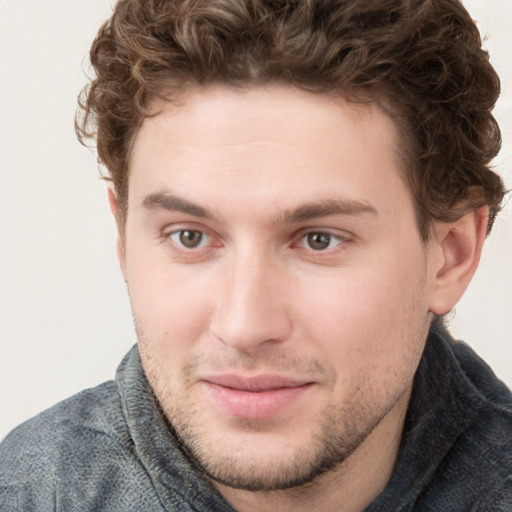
(255, 382)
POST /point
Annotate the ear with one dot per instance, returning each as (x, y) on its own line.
(114, 208)
(456, 254)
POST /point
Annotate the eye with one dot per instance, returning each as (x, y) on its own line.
(189, 238)
(320, 240)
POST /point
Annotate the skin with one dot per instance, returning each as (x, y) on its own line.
(270, 233)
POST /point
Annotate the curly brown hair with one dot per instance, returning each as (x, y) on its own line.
(420, 59)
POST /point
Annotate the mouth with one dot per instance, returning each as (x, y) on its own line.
(255, 397)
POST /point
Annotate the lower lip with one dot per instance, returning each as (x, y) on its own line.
(252, 404)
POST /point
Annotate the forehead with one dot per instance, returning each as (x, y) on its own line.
(276, 144)
(250, 112)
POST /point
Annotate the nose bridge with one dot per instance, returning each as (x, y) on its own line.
(251, 308)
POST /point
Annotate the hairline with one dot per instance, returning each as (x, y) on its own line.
(404, 152)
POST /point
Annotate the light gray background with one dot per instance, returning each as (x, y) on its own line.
(64, 317)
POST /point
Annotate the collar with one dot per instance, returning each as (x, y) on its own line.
(443, 405)
(157, 447)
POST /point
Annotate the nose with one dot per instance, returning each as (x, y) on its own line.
(251, 308)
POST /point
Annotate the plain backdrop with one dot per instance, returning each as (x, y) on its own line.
(65, 320)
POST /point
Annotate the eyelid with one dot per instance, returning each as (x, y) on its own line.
(342, 236)
(338, 233)
(175, 227)
(169, 230)
(203, 242)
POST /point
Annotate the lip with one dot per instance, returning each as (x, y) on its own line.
(255, 397)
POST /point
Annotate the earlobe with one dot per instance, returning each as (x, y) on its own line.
(114, 208)
(458, 247)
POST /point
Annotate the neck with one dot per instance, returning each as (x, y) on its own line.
(350, 487)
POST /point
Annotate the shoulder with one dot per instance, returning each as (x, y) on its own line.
(488, 443)
(63, 455)
(480, 461)
(85, 417)
(491, 403)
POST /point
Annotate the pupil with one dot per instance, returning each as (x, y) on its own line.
(190, 238)
(319, 241)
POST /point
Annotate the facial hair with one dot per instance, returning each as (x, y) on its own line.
(340, 430)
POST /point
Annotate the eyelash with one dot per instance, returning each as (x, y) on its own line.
(180, 232)
(304, 238)
(175, 235)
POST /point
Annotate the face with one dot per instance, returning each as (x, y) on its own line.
(277, 278)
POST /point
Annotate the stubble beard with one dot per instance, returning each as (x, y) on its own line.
(327, 450)
(343, 426)
(340, 431)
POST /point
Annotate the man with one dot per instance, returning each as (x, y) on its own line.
(302, 190)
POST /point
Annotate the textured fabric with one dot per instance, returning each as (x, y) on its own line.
(456, 452)
(110, 449)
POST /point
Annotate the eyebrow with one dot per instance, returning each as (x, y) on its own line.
(305, 212)
(165, 201)
(326, 208)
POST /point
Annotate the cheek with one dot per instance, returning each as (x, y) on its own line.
(171, 308)
(367, 320)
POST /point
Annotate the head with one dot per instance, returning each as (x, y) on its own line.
(421, 60)
(300, 187)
